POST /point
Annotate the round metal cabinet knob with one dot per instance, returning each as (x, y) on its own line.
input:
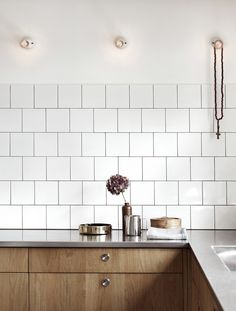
(106, 282)
(105, 257)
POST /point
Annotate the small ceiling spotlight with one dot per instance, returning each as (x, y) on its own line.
(120, 43)
(27, 43)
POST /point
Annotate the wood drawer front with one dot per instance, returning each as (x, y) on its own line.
(13, 260)
(14, 291)
(121, 260)
(126, 292)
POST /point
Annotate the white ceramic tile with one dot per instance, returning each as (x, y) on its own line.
(58, 217)
(58, 168)
(22, 192)
(105, 167)
(46, 96)
(178, 168)
(4, 144)
(129, 120)
(46, 192)
(105, 120)
(165, 144)
(70, 192)
(177, 120)
(34, 120)
(34, 168)
(201, 120)
(81, 120)
(227, 124)
(230, 95)
(165, 96)
(131, 168)
(93, 144)
(141, 144)
(93, 96)
(141, 96)
(166, 193)
(117, 96)
(57, 120)
(82, 168)
(152, 212)
(4, 95)
(4, 192)
(182, 212)
(142, 193)
(117, 144)
(225, 168)
(107, 214)
(189, 144)
(21, 144)
(69, 144)
(208, 96)
(136, 210)
(202, 217)
(46, 144)
(10, 120)
(189, 95)
(10, 168)
(212, 146)
(81, 215)
(94, 193)
(22, 95)
(154, 168)
(202, 168)
(214, 193)
(231, 192)
(230, 144)
(190, 193)
(11, 217)
(34, 217)
(70, 96)
(113, 199)
(225, 217)
(153, 120)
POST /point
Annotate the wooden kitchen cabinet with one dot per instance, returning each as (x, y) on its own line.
(202, 298)
(133, 279)
(126, 292)
(14, 279)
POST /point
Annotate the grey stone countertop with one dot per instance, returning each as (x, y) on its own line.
(72, 238)
(222, 281)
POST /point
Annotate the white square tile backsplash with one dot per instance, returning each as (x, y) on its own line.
(60, 143)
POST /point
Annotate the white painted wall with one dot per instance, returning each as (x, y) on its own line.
(169, 41)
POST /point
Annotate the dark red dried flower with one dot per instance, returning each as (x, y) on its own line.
(117, 184)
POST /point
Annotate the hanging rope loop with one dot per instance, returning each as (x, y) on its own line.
(218, 45)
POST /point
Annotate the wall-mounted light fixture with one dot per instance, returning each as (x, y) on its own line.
(120, 43)
(27, 43)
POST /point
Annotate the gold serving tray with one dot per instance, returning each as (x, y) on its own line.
(95, 229)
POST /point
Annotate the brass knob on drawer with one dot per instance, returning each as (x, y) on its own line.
(106, 282)
(105, 257)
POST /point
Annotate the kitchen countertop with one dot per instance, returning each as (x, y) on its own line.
(72, 238)
(222, 281)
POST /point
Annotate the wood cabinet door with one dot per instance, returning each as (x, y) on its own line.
(126, 292)
(14, 291)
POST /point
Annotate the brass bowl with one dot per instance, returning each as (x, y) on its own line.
(95, 229)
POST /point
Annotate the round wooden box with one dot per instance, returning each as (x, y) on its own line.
(166, 222)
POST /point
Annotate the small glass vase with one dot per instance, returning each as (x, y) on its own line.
(126, 211)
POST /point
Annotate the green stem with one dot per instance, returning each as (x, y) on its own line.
(123, 196)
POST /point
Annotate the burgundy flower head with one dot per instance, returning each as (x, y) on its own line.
(117, 184)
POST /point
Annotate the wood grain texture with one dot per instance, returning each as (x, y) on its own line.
(13, 260)
(201, 292)
(121, 260)
(13, 291)
(127, 292)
